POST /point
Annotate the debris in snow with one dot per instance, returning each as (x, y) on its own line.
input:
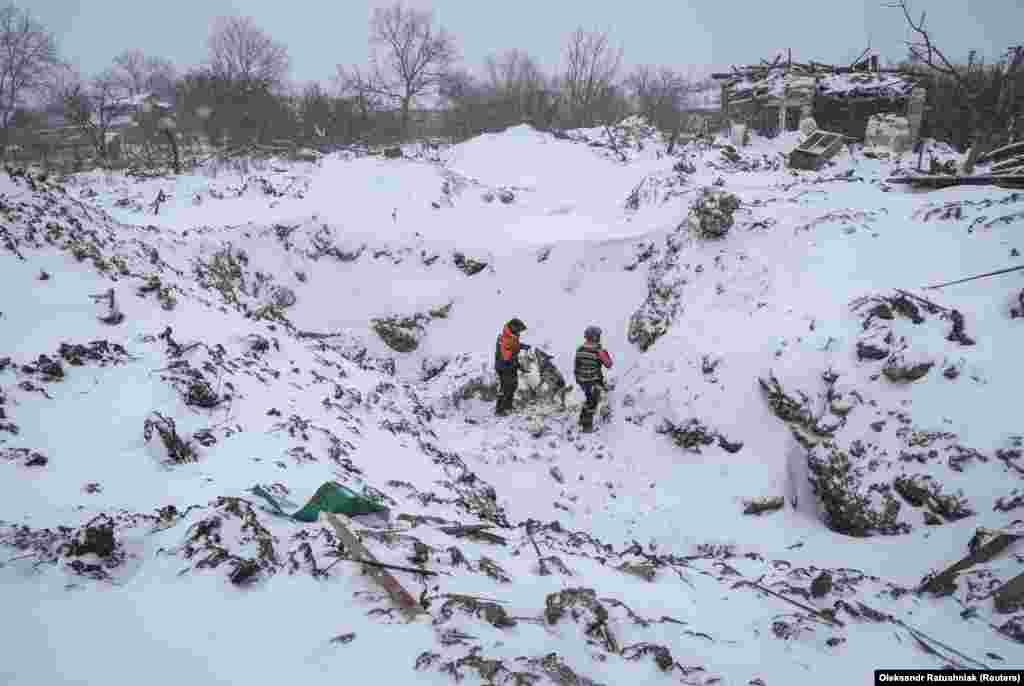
(584, 608)
(114, 314)
(897, 372)
(401, 334)
(643, 570)
(178, 450)
(759, 506)
(692, 435)
(849, 509)
(822, 585)
(468, 265)
(711, 214)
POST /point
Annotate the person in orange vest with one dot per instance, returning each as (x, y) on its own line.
(590, 361)
(506, 363)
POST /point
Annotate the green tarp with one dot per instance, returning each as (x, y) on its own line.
(330, 497)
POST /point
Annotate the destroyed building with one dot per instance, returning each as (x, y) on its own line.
(773, 97)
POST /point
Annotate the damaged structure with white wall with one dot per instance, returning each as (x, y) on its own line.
(784, 96)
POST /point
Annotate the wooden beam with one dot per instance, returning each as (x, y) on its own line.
(401, 597)
(947, 578)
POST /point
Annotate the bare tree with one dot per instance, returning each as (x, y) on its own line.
(413, 56)
(352, 83)
(140, 73)
(591, 67)
(28, 55)
(517, 81)
(985, 108)
(244, 55)
(657, 93)
(90, 105)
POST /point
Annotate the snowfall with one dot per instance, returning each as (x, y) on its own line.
(169, 343)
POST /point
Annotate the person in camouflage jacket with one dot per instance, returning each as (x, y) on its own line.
(591, 360)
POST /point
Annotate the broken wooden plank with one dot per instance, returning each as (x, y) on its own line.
(945, 580)
(475, 531)
(819, 147)
(1011, 150)
(949, 181)
(1007, 164)
(1010, 596)
(409, 605)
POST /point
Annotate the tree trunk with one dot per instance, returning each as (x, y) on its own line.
(174, 150)
(675, 136)
(404, 127)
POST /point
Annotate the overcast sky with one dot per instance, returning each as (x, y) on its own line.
(709, 33)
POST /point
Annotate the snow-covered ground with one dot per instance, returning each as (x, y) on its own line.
(253, 311)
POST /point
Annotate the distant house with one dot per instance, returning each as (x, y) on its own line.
(771, 97)
(129, 122)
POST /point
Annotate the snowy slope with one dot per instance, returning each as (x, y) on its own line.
(252, 306)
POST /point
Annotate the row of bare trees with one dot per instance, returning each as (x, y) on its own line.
(242, 93)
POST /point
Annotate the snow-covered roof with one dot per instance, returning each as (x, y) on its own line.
(141, 100)
(772, 83)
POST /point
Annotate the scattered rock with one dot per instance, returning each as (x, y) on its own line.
(822, 585)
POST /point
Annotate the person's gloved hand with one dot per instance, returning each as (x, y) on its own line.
(524, 346)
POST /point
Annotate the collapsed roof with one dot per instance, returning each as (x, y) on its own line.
(769, 81)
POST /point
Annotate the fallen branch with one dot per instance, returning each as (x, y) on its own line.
(920, 636)
(979, 276)
(544, 571)
(821, 614)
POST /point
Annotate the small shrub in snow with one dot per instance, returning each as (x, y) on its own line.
(899, 372)
(401, 334)
(692, 435)
(492, 613)
(583, 606)
(179, 450)
(662, 655)
(850, 508)
(923, 490)
(164, 294)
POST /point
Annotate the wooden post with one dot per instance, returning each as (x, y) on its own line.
(401, 597)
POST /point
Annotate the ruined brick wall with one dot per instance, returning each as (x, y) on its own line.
(849, 116)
